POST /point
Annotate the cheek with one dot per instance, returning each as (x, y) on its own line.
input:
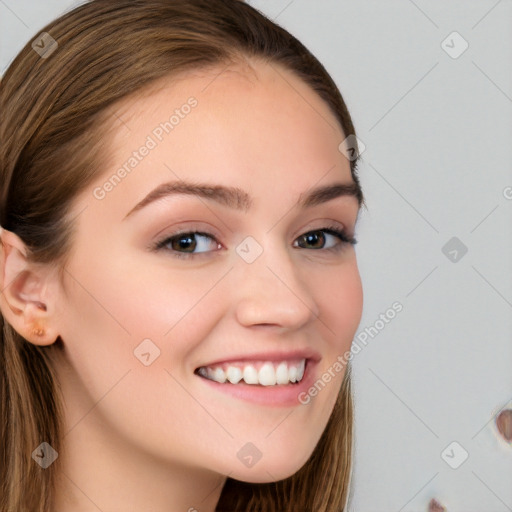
(115, 304)
(340, 299)
(165, 303)
(127, 288)
(114, 309)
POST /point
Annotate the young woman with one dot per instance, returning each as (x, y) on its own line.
(179, 284)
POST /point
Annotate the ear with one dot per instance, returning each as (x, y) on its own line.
(27, 298)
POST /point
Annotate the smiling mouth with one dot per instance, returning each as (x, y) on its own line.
(256, 373)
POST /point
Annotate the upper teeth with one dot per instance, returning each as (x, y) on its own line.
(268, 374)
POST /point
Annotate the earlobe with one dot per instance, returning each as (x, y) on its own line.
(25, 300)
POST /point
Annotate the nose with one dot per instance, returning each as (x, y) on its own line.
(271, 291)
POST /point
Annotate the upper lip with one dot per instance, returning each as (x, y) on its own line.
(279, 355)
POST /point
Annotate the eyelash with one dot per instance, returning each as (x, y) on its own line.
(331, 230)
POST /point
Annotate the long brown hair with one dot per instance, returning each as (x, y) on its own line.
(54, 111)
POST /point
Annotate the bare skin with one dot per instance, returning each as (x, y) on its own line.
(160, 437)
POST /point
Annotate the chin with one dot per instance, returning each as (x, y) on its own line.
(271, 470)
(264, 475)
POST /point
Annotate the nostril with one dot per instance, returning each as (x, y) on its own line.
(504, 424)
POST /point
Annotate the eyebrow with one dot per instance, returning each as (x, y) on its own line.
(238, 199)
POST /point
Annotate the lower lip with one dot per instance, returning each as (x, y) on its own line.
(281, 395)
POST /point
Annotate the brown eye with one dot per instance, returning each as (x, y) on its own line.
(326, 238)
(189, 243)
(313, 238)
(186, 243)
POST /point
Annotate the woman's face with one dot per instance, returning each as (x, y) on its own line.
(237, 157)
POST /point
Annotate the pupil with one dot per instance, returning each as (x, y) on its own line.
(185, 242)
(313, 239)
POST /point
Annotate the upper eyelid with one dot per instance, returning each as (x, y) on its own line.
(336, 214)
(190, 227)
(198, 231)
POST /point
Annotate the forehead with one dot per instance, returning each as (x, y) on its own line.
(249, 77)
(253, 125)
(231, 99)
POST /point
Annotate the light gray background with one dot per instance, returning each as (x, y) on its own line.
(437, 164)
